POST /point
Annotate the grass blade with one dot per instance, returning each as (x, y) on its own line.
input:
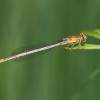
(86, 47)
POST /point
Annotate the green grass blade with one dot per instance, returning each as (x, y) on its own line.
(94, 33)
(86, 47)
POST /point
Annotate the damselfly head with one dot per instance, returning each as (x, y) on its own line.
(83, 36)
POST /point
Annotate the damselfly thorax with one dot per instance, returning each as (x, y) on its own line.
(69, 41)
(72, 40)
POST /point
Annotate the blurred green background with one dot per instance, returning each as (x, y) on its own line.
(58, 74)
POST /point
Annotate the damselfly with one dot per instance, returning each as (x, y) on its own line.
(70, 41)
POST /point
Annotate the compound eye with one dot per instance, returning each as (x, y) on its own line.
(83, 36)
